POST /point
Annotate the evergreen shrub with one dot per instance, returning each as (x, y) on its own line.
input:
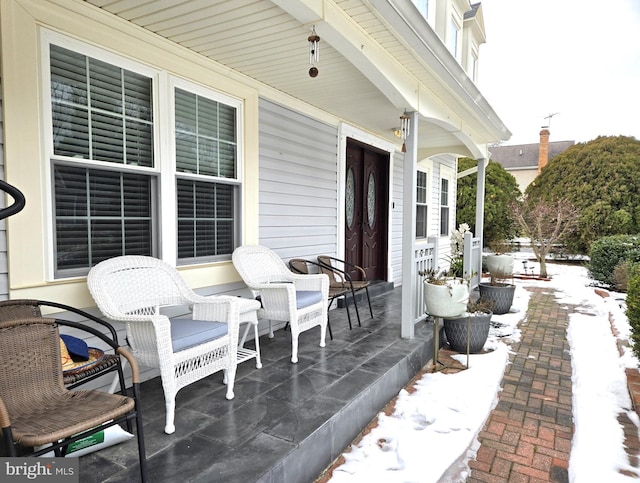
(608, 252)
(633, 308)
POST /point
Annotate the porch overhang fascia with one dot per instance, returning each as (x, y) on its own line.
(401, 16)
(471, 115)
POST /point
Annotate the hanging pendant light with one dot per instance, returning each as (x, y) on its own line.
(314, 52)
(405, 123)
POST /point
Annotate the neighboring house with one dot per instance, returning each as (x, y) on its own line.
(525, 161)
(184, 129)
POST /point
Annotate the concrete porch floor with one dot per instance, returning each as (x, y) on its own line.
(287, 422)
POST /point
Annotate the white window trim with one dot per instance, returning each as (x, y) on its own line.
(455, 19)
(169, 238)
(48, 37)
(428, 170)
(165, 224)
(475, 58)
(446, 173)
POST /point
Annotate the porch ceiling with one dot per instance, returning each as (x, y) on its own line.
(368, 74)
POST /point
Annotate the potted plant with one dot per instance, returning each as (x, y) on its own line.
(457, 250)
(501, 259)
(469, 331)
(499, 291)
(444, 295)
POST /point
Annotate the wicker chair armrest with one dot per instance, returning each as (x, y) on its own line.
(311, 282)
(278, 285)
(5, 421)
(91, 330)
(339, 278)
(343, 273)
(280, 289)
(359, 269)
(82, 313)
(279, 296)
(232, 309)
(346, 264)
(135, 370)
(216, 307)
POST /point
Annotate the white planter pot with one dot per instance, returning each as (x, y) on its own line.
(500, 264)
(449, 300)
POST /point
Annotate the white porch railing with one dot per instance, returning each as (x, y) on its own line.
(425, 258)
(472, 260)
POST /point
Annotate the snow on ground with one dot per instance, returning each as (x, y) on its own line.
(437, 425)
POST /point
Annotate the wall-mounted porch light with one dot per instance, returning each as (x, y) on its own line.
(314, 52)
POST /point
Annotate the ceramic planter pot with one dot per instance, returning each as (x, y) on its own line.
(448, 300)
(500, 264)
(501, 296)
(476, 325)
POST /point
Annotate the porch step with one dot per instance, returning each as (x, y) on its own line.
(378, 380)
(376, 287)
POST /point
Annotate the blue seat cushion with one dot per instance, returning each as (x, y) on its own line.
(305, 298)
(187, 333)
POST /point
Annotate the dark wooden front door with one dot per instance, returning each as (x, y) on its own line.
(366, 205)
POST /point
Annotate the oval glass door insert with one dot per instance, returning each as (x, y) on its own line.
(350, 198)
(371, 199)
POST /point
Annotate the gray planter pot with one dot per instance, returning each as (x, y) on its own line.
(477, 326)
(500, 295)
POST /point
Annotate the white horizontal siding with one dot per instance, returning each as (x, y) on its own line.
(397, 193)
(298, 183)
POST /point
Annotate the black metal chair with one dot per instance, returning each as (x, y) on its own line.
(333, 264)
(301, 266)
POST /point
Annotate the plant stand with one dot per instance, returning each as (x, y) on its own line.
(437, 364)
(436, 343)
(446, 300)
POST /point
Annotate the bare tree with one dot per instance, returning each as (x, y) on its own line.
(545, 223)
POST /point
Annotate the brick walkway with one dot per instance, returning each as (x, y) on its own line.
(527, 437)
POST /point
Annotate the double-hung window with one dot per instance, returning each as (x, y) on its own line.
(107, 170)
(445, 200)
(453, 36)
(422, 205)
(103, 182)
(206, 176)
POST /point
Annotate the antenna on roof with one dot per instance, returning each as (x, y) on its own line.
(549, 117)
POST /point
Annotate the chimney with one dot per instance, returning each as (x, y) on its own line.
(543, 150)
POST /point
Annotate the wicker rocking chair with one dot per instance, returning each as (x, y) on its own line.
(133, 289)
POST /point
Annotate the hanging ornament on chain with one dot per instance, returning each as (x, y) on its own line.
(314, 52)
(405, 122)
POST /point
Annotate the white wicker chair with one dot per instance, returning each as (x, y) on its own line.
(301, 300)
(133, 289)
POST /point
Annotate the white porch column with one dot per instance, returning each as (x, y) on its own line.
(409, 229)
(479, 231)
